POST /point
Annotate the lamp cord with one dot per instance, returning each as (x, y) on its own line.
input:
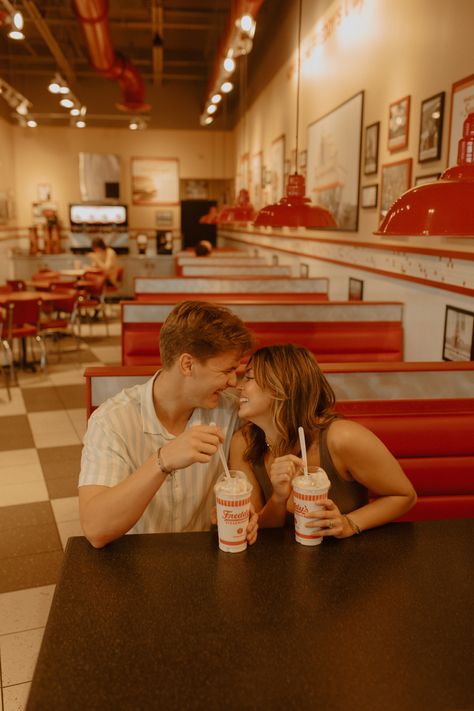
(298, 69)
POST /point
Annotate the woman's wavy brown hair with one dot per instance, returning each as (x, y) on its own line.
(301, 396)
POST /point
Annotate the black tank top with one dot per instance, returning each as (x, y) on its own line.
(347, 495)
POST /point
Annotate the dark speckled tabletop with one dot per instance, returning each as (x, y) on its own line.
(381, 621)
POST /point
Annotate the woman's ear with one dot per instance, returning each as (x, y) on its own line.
(186, 363)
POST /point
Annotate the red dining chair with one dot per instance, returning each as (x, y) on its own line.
(6, 358)
(17, 284)
(91, 301)
(23, 324)
(60, 317)
(111, 289)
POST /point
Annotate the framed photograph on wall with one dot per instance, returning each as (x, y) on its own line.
(371, 148)
(462, 104)
(333, 165)
(255, 189)
(398, 124)
(458, 340)
(422, 179)
(396, 179)
(277, 168)
(155, 181)
(369, 195)
(356, 289)
(431, 128)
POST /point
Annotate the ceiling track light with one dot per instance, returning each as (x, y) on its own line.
(16, 101)
(17, 23)
(236, 42)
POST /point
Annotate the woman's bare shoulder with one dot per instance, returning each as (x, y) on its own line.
(347, 433)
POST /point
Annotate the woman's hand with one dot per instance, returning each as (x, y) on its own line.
(330, 521)
(282, 472)
(252, 527)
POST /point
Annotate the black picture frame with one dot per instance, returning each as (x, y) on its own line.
(422, 179)
(356, 289)
(396, 179)
(398, 124)
(369, 195)
(431, 128)
(371, 148)
(458, 337)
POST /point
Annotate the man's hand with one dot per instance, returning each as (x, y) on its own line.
(197, 444)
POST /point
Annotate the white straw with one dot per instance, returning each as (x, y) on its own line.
(304, 456)
(222, 456)
(223, 460)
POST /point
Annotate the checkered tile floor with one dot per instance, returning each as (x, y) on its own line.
(41, 429)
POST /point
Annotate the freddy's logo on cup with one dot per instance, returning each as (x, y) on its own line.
(235, 516)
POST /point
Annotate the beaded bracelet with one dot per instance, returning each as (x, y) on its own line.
(352, 524)
(164, 470)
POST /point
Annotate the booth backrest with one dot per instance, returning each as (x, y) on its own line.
(203, 269)
(333, 331)
(224, 260)
(151, 287)
(423, 412)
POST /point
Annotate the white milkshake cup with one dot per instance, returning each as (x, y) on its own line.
(233, 510)
(309, 493)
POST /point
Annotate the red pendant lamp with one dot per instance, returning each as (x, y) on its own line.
(242, 211)
(295, 209)
(445, 207)
(210, 218)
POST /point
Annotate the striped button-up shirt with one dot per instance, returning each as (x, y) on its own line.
(125, 430)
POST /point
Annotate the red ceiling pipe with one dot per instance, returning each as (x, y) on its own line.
(93, 16)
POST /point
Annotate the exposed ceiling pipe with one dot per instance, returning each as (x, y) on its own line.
(93, 16)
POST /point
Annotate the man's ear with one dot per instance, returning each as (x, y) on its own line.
(186, 362)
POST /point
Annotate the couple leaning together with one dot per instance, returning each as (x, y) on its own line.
(150, 462)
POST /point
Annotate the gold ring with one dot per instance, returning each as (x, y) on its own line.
(331, 524)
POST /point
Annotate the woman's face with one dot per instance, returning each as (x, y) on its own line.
(255, 403)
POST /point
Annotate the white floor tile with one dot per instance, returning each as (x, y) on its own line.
(25, 609)
(15, 406)
(19, 467)
(66, 509)
(19, 652)
(70, 375)
(26, 493)
(79, 421)
(52, 429)
(68, 529)
(15, 697)
(108, 354)
(18, 457)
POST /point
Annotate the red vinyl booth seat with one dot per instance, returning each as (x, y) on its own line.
(431, 437)
(433, 441)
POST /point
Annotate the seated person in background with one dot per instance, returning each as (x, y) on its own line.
(105, 259)
(148, 463)
(203, 248)
(283, 388)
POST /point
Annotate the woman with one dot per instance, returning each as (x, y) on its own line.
(282, 389)
(105, 259)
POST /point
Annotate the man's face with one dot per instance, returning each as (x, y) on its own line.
(213, 376)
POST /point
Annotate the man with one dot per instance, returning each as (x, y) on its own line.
(148, 463)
